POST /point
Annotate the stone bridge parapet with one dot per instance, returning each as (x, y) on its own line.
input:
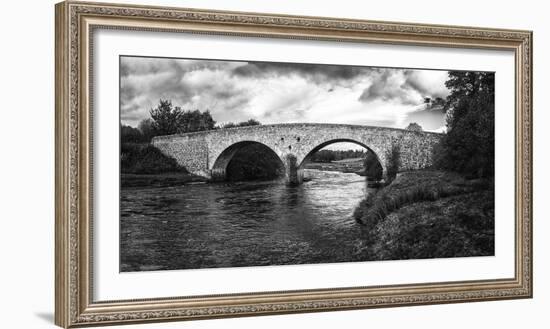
(207, 153)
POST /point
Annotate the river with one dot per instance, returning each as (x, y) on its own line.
(242, 224)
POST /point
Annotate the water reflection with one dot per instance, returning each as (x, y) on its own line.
(242, 224)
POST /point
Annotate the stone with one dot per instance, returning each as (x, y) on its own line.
(207, 153)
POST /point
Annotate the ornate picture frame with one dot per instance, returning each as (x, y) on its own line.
(76, 22)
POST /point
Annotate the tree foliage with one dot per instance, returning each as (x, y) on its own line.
(373, 168)
(168, 119)
(250, 122)
(146, 159)
(393, 158)
(131, 135)
(191, 121)
(468, 146)
(336, 155)
(414, 127)
(146, 128)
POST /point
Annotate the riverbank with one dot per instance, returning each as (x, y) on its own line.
(428, 214)
(133, 180)
(354, 165)
(348, 166)
(159, 180)
(248, 223)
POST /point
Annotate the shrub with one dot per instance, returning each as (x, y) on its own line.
(146, 159)
(373, 169)
(131, 135)
(414, 127)
(393, 157)
(469, 144)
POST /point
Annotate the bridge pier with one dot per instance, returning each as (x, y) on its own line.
(293, 174)
(207, 153)
(217, 175)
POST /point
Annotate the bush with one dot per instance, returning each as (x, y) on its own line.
(249, 122)
(146, 159)
(393, 157)
(131, 135)
(469, 144)
(413, 126)
(373, 169)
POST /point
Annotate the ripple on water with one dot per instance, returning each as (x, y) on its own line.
(242, 224)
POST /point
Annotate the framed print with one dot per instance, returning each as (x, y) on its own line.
(216, 164)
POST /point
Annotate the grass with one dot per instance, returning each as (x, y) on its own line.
(413, 187)
(159, 180)
(143, 165)
(146, 159)
(426, 214)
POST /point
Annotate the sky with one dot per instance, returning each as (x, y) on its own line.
(235, 91)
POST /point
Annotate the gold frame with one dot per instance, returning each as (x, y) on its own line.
(75, 21)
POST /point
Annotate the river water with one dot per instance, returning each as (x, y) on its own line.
(242, 224)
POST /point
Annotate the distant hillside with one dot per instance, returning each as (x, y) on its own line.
(350, 160)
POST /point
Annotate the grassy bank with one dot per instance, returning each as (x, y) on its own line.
(347, 166)
(159, 180)
(143, 165)
(426, 214)
(146, 159)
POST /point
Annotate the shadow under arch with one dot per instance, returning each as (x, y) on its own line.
(317, 148)
(247, 160)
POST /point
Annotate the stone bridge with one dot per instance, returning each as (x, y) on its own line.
(207, 153)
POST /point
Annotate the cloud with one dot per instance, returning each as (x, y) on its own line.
(190, 84)
(319, 74)
(429, 83)
(236, 91)
(391, 85)
(405, 86)
(429, 119)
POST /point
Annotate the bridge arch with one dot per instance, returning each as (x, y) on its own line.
(201, 152)
(380, 156)
(223, 161)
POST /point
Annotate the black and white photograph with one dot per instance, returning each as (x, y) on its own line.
(229, 163)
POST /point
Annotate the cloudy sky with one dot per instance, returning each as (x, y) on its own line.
(283, 92)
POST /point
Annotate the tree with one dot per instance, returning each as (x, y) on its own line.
(468, 146)
(414, 126)
(393, 156)
(434, 102)
(323, 156)
(326, 155)
(228, 125)
(373, 168)
(146, 128)
(130, 135)
(191, 121)
(166, 118)
(249, 122)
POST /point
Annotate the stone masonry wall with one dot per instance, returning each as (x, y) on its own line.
(189, 152)
(200, 152)
(416, 150)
